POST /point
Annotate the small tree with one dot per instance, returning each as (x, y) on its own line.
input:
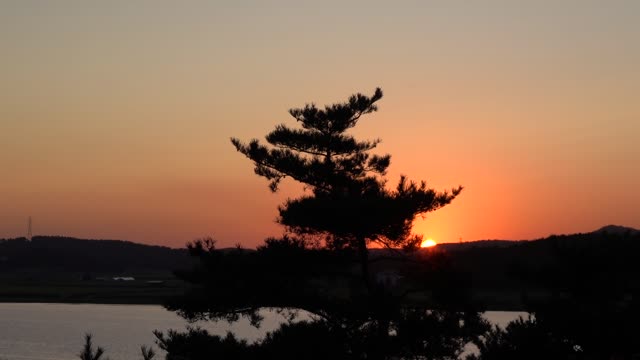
(88, 353)
(349, 204)
(147, 352)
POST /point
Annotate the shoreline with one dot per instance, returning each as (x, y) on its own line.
(74, 302)
(501, 306)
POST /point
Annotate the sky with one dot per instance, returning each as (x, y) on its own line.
(115, 116)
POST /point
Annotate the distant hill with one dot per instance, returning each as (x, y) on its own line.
(59, 253)
(605, 230)
(609, 252)
(72, 254)
(476, 244)
(488, 257)
(617, 229)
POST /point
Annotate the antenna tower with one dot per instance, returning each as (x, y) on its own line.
(29, 232)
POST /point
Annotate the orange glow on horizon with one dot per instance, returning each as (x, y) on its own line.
(516, 119)
(428, 243)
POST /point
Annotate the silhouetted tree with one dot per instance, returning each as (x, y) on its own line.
(349, 204)
(198, 344)
(525, 339)
(88, 353)
(238, 282)
(348, 207)
(147, 352)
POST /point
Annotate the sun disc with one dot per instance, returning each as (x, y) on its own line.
(428, 243)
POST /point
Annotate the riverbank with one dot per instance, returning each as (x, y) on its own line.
(154, 288)
(143, 294)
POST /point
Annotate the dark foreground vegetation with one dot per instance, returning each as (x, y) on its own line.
(403, 303)
(586, 306)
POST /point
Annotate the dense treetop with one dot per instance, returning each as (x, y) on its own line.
(349, 202)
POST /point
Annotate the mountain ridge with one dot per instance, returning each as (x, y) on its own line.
(60, 240)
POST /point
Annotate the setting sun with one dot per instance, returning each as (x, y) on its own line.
(428, 243)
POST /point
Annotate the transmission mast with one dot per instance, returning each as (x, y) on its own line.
(29, 230)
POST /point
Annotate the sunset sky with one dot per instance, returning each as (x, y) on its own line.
(115, 116)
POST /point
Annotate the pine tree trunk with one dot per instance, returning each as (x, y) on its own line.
(364, 262)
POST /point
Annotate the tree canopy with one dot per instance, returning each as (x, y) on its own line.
(349, 203)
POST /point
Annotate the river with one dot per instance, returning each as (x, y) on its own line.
(56, 331)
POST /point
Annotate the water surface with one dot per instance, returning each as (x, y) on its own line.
(56, 331)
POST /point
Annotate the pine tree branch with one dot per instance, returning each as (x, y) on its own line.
(299, 149)
(292, 175)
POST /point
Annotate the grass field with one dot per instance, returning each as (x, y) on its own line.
(147, 288)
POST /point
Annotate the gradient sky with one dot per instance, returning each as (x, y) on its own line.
(115, 116)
